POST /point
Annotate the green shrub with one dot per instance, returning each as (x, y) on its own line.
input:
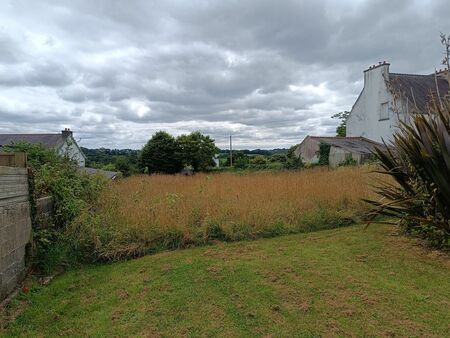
(72, 192)
(258, 162)
(349, 160)
(240, 160)
(418, 160)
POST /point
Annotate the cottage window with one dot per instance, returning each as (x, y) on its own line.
(384, 111)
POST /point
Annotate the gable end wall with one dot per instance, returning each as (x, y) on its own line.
(364, 117)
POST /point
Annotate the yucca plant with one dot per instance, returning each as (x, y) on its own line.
(418, 161)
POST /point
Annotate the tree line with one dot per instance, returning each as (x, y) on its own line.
(163, 153)
(166, 154)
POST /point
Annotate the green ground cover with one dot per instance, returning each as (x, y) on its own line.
(344, 282)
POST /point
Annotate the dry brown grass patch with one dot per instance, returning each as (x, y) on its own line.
(142, 214)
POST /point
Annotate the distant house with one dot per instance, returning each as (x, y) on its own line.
(388, 98)
(63, 143)
(216, 161)
(341, 148)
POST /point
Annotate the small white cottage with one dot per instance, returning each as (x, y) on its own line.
(64, 143)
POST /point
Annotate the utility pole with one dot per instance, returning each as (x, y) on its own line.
(231, 153)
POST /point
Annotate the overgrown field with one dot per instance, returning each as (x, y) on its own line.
(348, 282)
(145, 214)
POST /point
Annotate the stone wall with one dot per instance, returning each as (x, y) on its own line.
(15, 227)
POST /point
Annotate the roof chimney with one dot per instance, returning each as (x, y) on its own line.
(380, 64)
(375, 70)
(442, 74)
(66, 133)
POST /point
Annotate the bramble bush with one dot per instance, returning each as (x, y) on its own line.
(72, 192)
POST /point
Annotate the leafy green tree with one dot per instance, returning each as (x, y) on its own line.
(196, 150)
(160, 155)
(240, 160)
(124, 160)
(341, 129)
(122, 164)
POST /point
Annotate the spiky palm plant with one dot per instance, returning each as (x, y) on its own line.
(418, 161)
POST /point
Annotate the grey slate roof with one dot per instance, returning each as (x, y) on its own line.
(417, 88)
(359, 145)
(93, 171)
(47, 140)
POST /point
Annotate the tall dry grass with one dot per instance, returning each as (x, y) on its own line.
(143, 214)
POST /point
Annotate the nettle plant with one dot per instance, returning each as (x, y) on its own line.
(418, 161)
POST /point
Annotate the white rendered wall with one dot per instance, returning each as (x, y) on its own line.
(70, 149)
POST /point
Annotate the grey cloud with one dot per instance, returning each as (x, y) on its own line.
(10, 52)
(269, 72)
(32, 117)
(38, 74)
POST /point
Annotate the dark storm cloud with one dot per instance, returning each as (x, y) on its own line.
(268, 72)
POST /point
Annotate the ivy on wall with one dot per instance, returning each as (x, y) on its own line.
(324, 153)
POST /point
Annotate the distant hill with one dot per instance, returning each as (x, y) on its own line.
(123, 160)
(105, 155)
(266, 152)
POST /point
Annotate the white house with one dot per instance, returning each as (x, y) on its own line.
(389, 97)
(64, 143)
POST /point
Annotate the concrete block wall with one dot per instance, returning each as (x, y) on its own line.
(15, 227)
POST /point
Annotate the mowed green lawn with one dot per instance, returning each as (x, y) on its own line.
(345, 282)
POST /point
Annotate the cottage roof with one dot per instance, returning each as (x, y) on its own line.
(358, 144)
(47, 140)
(92, 171)
(418, 89)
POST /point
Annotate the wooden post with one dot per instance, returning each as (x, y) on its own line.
(231, 153)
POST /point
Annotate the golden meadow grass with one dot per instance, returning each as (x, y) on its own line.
(143, 214)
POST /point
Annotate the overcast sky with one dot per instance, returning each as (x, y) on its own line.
(267, 72)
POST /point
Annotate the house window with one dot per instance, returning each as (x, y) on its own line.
(384, 111)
